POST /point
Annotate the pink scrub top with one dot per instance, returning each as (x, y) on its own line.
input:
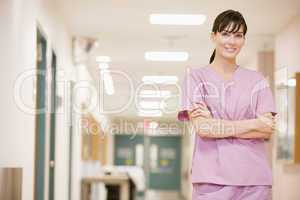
(229, 161)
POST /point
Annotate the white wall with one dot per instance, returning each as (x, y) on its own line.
(287, 54)
(253, 64)
(17, 53)
(287, 47)
(85, 92)
(60, 40)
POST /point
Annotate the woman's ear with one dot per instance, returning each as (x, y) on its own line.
(213, 37)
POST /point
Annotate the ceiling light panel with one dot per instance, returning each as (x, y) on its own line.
(175, 56)
(177, 19)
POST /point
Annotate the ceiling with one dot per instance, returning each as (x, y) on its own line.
(124, 33)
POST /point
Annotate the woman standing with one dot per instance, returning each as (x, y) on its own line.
(232, 111)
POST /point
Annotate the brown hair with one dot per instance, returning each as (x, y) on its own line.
(225, 19)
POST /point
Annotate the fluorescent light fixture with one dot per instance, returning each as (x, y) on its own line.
(155, 93)
(292, 82)
(108, 82)
(150, 113)
(103, 66)
(160, 79)
(178, 56)
(150, 105)
(103, 59)
(177, 19)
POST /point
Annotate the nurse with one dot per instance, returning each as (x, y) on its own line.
(231, 109)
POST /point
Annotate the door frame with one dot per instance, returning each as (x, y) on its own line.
(52, 133)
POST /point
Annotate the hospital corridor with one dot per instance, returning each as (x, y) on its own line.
(91, 91)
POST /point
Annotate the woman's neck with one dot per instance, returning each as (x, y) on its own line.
(224, 65)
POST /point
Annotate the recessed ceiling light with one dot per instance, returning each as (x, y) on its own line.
(155, 93)
(178, 56)
(177, 19)
(150, 113)
(160, 79)
(103, 59)
(156, 105)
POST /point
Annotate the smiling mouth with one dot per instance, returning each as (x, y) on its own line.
(231, 50)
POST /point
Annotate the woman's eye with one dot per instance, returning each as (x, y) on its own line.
(239, 35)
(225, 34)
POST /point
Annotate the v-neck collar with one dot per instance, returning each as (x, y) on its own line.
(221, 78)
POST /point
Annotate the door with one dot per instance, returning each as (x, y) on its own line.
(40, 125)
(165, 163)
(161, 162)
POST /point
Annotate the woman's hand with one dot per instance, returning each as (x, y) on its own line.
(200, 110)
(254, 135)
(264, 127)
(265, 123)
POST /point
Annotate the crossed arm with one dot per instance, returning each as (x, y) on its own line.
(206, 126)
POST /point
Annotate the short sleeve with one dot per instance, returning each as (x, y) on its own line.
(191, 90)
(263, 100)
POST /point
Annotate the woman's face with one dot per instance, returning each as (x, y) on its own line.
(228, 45)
